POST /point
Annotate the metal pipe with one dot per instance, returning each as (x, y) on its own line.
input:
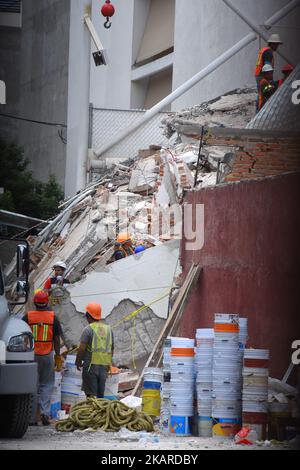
(281, 13)
(256, 28)
(196, 78)
(180, 91)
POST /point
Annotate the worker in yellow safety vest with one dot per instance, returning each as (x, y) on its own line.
(267, 86)
(95, 353)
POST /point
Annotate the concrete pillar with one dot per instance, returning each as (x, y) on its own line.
(79, 96)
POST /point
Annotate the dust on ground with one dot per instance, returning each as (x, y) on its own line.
(47, 438)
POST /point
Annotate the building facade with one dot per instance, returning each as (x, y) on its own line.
(153, 47)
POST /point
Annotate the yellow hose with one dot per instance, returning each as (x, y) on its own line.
(110, 416)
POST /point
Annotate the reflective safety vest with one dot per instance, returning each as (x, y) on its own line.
(41, 323)
(260, 63)
(266, 90)
(101, 348)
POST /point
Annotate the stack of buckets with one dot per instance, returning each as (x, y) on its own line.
(166, 389)
(204, 379)
(227, 379)
(151, 394)
(182, 386)
(255, 390)
(71, 392)
(55, 404)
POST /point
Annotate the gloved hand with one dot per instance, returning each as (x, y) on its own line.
(58, 362)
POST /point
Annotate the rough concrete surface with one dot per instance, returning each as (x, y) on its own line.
(41, 438)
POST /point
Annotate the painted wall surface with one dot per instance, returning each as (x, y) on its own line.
(10, 43)
(207, 28)
(111, 84)
(250, 262)
(80, 59)
(44, 84)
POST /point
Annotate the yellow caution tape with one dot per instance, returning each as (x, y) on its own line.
(136, 312)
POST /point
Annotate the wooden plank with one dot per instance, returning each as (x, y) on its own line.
(178, 306)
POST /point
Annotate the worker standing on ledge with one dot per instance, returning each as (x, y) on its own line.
(267, 86)
(266, 56)
(46, 331)
(95, 352)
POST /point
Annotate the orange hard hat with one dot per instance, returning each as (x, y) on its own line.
(123, 238)
(94, 310)
(41, 297)
(287, 68)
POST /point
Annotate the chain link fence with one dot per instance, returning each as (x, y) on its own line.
(106, 123)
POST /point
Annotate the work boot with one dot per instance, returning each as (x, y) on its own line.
(45, 420)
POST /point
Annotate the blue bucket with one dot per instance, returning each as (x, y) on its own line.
(152, 385)
(181, 425)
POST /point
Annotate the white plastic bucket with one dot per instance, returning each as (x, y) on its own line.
(205, 338)
(186, 343)
(153, 374)
(255, 406)
(257, 354)
(181, 408)
(227, 318)
(182, 361)
(55, 405)
(112, 386)
(205, 426)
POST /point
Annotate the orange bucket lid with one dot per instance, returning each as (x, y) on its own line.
(183, 352)
(226, 328)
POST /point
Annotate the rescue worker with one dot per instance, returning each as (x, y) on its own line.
(46, 331)
(58, 280)
(287, 69)
(123, 246)
(267, 86)
(95, 352)
(266, 56)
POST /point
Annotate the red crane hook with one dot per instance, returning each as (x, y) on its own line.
(108, 10)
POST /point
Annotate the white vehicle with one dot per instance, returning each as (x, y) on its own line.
(18, 371)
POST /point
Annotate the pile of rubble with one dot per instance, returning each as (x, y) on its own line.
(234, 109)
(142, 196)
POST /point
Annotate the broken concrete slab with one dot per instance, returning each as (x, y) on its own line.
(140, 278)
(144, 176)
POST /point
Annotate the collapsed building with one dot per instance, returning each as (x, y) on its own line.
(146, 195)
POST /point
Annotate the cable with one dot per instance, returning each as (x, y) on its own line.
(53, 124)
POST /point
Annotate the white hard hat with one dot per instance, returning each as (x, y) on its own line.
(267, 68)
(60, 264)
(274, 39)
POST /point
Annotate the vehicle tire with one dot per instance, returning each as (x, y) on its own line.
(15, 415)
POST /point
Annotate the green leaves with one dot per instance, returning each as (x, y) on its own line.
(22, 193)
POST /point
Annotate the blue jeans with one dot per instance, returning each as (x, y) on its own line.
(46, 378)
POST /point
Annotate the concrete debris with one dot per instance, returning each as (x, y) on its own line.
(142, 196)
(234, 109)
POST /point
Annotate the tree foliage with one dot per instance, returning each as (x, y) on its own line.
(22, 193)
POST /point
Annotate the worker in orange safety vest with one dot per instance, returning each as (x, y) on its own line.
(47, 331)
(266, 56)
(123, 246)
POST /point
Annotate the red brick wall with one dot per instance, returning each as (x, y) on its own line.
(251, 262)
(258, 153)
